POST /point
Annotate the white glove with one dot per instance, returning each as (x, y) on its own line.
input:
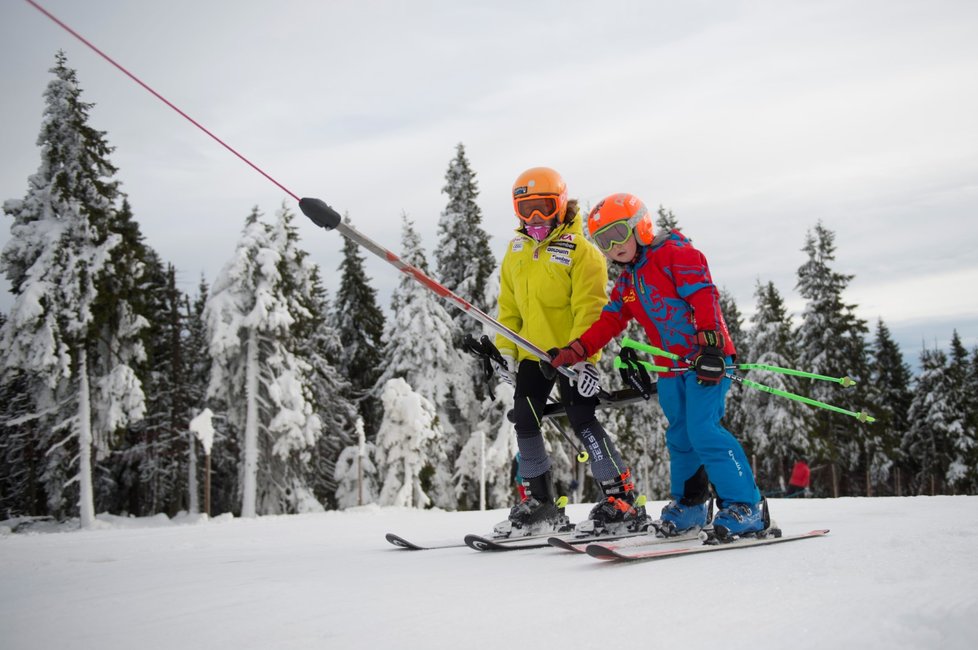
(587, 380)
(507, 370)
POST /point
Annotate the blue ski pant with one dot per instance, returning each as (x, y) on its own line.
(695, 437)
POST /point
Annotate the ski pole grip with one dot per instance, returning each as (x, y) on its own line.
(319, 213)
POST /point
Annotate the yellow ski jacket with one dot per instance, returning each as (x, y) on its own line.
(551, 291)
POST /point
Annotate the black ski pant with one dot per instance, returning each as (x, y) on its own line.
(532, 390)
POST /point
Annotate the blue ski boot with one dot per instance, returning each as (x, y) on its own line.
(679, 517)
(740, 520)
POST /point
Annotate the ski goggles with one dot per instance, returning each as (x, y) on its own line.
(614, 233)
(545, 206)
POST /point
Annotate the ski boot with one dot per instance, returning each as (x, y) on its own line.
(737, 520)
(682, 516)
(621, 511)
(537, 513)
(689, 513)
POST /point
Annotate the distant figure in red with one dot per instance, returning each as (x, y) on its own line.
(800, 476)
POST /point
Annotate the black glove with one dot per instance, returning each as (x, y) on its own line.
(709, 364)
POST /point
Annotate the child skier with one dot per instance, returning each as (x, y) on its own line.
(666, 286)
(552, 286)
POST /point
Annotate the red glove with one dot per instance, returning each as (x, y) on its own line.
(573, 353)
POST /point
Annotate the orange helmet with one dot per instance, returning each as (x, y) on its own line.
(625, 209)
(542, 191)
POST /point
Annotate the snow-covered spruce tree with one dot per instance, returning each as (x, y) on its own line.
(928, 441)
(419, 348)
(20, 459)
(666, 221)
(774, 428)
(321, 347)
(407, 446)
(74, 343)
(359, 324)
(148, 468)
(971, 421)
(734, 415)
(831, 342)
(889, 386)
(355, 472)
(962, 472)
(257, 305)
(465, 262)
(489, 452)
(225, 451)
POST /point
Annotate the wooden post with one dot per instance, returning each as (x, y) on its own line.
(207, 484)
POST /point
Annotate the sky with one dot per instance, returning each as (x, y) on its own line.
(751, 120)
(330, 580)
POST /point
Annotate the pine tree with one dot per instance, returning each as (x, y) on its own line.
(831, 342)
(928, 440)
(75, 344)
(962, 471)
(359, 324)
(148, 472)
(889, 384)
(774, 428)
(355, 472)
(419, 348)
(734, 408)
(488, 455)
(667, 221)
(464, 259)
(407, 445)
(20, 459)
(321, 347)
(261, 374)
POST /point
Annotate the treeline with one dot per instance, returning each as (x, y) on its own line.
(320, 401)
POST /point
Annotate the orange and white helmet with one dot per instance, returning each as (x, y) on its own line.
(542, 191)
(616, 217)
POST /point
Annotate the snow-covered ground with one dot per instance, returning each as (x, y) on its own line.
(893, 573)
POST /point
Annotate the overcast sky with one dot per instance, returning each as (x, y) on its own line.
(751, 121)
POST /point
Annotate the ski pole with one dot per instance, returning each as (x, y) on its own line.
(862, 417)
(846, 382)
(329, 219)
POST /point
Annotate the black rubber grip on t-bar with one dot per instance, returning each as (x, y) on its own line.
(321, 214)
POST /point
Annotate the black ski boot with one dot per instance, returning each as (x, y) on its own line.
(537, 513)
(621, 511)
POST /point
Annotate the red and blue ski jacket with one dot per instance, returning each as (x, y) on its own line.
(669, 291)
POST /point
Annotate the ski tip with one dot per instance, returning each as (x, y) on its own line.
(478, 543)
(400, 542)
(601, 552)
(319, 213)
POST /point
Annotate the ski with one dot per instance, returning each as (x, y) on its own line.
(604, 553)
(408, 545)
(627, 540)
(482, 543)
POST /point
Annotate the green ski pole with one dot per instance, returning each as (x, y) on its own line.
(862, 417)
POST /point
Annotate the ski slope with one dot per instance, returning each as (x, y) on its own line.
(893, 573)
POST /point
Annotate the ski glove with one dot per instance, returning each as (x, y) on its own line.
(507, 369)
(709, 364)
(575, 352)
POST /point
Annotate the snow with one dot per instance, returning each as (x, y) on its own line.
(203, 428)
(893, 573)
